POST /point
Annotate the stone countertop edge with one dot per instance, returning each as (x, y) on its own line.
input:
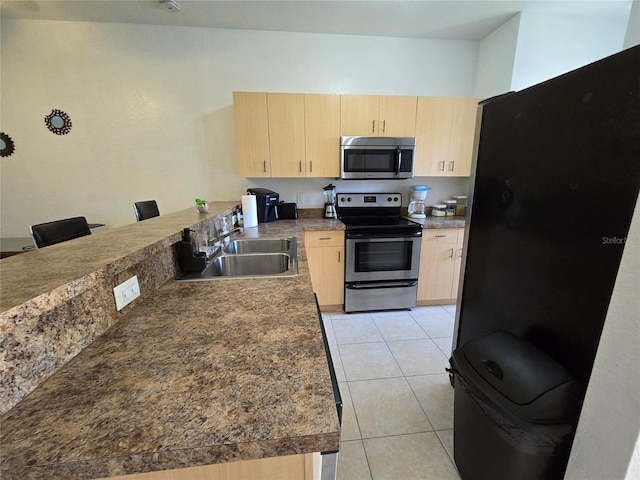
(439, 222)
(197, 373)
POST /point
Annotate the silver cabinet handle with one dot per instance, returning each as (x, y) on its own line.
(451, 253)
(459, 253)
(300, 166)
(452, 166)
(440, 236)
(264, 166)
(442, 168)
(310, 166)
(373, 126)
(324, 238)
(384, 126)
(338, 256)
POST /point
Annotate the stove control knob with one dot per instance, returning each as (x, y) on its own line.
(342, 199)
(388, 199)
(395, 199)
(348, 199)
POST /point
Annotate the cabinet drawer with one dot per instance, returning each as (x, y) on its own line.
(324, 238)
(440, 235)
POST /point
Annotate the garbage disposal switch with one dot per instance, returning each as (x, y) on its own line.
(515, 410)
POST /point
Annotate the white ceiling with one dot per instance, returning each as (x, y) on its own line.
(437, 19)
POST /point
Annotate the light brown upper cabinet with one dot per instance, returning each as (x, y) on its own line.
(252, 134)
(322, 134)
(375, 115)
(445, 132)
(286, 134)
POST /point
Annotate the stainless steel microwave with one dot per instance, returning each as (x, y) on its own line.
(376, 158)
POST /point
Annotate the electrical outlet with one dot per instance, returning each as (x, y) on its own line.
(300, 198)
(126, 292)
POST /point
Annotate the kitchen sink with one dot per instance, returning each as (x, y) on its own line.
(259, 245)
(251, 258)
(252, 264)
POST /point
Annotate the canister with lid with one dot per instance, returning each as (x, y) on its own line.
(439, 210)
(450, 207)
(461, 205)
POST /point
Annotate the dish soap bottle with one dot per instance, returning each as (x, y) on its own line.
(191, 260)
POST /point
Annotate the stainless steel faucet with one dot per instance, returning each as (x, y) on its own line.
(224, 235)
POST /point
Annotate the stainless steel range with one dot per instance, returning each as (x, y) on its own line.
(382, 254)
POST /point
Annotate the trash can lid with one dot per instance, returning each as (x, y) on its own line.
(533, 383)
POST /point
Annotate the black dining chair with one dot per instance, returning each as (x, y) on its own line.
(146, 209)
(50, 233)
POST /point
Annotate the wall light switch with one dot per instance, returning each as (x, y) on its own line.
(300, 198)
(126, 292)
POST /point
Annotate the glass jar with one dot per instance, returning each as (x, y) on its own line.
(450, 209)
(461, 205)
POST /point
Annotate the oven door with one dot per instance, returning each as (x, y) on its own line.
(381, 258)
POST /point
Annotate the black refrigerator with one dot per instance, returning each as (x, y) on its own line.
(553, 190)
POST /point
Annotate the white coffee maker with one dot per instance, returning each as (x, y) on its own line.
(418, 194)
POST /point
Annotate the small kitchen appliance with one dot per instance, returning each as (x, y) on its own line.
(267, 202)
(377, 158)
(287, 211)
(417, 208)
(329, 201)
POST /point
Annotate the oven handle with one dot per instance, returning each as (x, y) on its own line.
(368, 286)
(399, 161)
(384, 235)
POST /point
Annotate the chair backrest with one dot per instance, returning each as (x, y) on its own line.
(146, 209)
(45, 234)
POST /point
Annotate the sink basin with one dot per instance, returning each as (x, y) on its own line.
(259, 245)
(249, 264)
(251, 258)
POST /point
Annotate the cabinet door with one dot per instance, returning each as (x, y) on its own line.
(461, 143)
(433, 130)
(437, 263)
(322, 133)
(286, 134)
(458, 265)
(325, 256)
(252, 134)
(397, 116)
(359, 115)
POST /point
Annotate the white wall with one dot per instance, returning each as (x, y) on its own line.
(550, 45)
(496, 57)
(152, 109)
(632, 37)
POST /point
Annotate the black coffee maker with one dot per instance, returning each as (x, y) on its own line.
(267, 202)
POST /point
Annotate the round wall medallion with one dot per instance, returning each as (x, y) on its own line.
(58, 122)
(7, 147)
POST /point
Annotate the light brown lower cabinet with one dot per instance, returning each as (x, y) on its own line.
(325, 256)
(440, 261)
(291, 467)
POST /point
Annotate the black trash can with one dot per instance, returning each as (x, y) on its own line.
(515, 410)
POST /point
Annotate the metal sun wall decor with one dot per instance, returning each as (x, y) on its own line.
(7, 147)
(58, 122)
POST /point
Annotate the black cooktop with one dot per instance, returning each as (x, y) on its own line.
(375, 221)
(374, 213)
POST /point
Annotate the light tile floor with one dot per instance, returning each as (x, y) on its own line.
(398, 403)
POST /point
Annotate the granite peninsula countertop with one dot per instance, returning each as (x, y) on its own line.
(195, 373)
